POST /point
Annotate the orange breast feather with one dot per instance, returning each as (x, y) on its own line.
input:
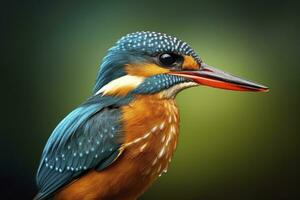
(150, 135)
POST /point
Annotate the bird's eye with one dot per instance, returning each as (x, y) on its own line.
(168, 59)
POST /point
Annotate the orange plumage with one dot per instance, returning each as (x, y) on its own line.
(151, 132)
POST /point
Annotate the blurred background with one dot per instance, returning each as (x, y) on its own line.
(232, 145)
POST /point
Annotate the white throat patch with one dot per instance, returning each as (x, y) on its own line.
(172, 91)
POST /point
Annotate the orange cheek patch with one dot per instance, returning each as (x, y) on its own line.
(189, 63)
(145, 70)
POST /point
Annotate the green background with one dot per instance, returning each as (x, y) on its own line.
(233, 145)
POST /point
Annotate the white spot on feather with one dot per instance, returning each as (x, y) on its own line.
(162, 125)
(161, 153)
(143, 147)
(153, 129)
(154, 161)
(163, 138)
(170, 119)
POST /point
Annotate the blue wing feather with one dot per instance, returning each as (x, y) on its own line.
(88, 138)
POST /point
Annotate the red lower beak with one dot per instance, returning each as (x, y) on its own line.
(216, 78)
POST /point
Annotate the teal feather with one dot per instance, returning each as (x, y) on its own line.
(88, 138)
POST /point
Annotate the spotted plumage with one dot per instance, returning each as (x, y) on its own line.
(89, 137)
(158, 83)
(122, 138)
(155, 145)
(153, 42)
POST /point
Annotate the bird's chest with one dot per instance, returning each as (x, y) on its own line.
(150, 129)
(151, 133)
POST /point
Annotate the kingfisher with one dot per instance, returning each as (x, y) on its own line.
(122, 138)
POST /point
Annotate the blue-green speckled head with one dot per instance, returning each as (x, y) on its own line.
(141, 47)
(152, 43)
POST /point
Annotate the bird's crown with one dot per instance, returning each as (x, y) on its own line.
(153, 43)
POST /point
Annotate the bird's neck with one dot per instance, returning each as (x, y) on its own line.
(149, 112)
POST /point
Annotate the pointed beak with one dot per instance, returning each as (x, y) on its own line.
(213, 77)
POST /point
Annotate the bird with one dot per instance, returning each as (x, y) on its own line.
(122, 138)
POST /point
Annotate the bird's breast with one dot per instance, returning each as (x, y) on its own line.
(151, 132)
(150, 129)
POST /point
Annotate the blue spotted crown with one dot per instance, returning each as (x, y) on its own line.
(152, 42)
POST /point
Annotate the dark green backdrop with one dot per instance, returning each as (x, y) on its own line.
(232, 145)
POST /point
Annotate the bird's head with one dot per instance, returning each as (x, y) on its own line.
(149, 63)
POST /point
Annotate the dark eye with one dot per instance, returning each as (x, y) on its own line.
(168, 59)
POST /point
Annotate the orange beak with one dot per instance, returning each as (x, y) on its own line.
(212, 77)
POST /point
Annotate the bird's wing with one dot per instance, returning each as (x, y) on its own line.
(88, 138)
